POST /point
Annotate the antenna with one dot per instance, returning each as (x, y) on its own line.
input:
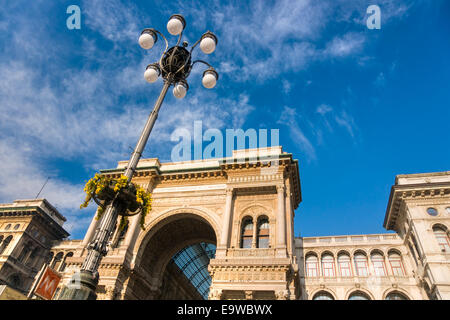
(42, 188)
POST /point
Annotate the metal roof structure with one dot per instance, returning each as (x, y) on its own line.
(193, 261)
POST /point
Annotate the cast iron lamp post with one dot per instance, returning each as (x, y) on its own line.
(174, 67)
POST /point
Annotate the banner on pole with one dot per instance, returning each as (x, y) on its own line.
(47, 285)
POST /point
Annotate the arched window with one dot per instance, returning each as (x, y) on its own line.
(64, 264)
(49, 258)
(33, 257)
(323, 295)
(442, 238)
(57, 261)
(378, 264)
(16, 226)
(8, 226)
(328, 268)
(247, 233)
(25, 252)
(395, 295)
(5, 244)
(358, 295)
(15, 281)
(263, 233)
(361, 264)
(312, 266)
(395, 260)
(345, 265)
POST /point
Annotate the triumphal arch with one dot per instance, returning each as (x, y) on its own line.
(243, 206)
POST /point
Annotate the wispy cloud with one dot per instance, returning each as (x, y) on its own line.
(113, 19)
(345, 45)
(342, 118)
(93, 110)
(290, 118)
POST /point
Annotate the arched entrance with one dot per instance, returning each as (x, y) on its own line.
(172, 259)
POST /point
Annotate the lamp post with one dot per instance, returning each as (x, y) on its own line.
(174, 67)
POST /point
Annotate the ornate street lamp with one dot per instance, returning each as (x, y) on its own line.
(174, 67)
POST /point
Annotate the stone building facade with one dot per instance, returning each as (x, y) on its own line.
(244, 205)
(29, 229)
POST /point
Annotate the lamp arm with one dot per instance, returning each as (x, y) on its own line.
(197, 61)
(195, 44)
(201, 61)
(165, 40)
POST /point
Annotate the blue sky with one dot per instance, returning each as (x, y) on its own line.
(355, 106)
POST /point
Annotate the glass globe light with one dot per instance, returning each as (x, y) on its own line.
(147, 39)
(152, 73)
(180, 89)
(208, 43)
(209, 79)
(176, 24)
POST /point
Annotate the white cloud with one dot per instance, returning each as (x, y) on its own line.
(53, 110)
(22, 177)
(346, 121)
(114, 20)
(290, 118)
(323, 109)
(380, 80)
(265, 39)
(345, 45)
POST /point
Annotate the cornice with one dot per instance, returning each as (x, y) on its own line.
(35, 212)
(225, 168)
(412, 192)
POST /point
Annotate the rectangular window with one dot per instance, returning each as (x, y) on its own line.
(379, 268)
(443, 242)
(328, 269)
(361, 268)
(246, 242)
(345, 269)
(312, 269)
(396, 267)
(263, 242)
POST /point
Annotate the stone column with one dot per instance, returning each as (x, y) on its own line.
(255, 229)
(281, 222)
(91, 230)
(226, 222)
(134, 227)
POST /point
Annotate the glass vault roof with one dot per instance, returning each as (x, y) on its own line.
(193, 261)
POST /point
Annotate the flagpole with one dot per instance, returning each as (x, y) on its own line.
(36, 281)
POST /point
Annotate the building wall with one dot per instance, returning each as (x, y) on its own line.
(32, 226)
(419, 205)
(221, 194)
(377, 284)
(219, 197)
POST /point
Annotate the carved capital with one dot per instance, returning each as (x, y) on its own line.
(280, 188)
(215, 294)
(282, 294)
(229, 191)
(248, 295)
